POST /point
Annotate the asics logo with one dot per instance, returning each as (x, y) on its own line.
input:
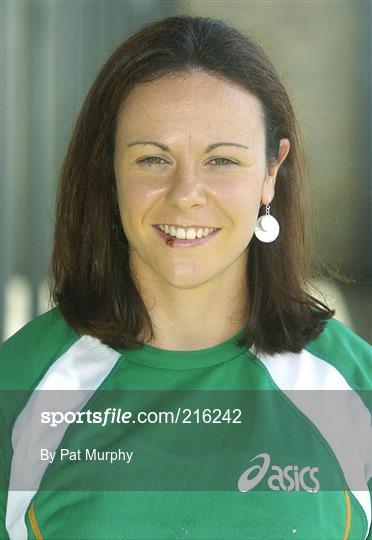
(289, 478)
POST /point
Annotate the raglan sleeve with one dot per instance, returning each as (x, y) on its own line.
(5, 454)
(351, 355)
(24, 357)
(5, 459)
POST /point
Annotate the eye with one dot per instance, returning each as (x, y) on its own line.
(151, 160)
(156, 160)
(228, 162)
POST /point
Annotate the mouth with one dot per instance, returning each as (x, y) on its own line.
(185, 237)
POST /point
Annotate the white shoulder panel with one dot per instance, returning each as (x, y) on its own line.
(341, 417)
(82, 368)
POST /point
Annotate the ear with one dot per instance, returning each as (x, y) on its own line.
(268, 189)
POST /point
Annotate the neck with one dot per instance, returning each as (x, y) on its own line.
(198, 317)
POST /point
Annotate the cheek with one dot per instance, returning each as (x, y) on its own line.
(139, 191)
(242, 202)
(135, 198)
(129, 207)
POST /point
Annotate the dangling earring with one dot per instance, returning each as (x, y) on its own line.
(267, 227)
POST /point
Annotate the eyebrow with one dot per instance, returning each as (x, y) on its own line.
(166, 148)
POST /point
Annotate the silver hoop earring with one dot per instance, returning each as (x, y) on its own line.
(267, 228)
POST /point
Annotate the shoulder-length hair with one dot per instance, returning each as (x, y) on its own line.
(89, 275)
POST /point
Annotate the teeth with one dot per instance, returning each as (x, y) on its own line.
(189, 234)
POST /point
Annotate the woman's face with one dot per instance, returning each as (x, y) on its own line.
(204, 168)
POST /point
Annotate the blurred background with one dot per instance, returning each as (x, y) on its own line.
(51, 51)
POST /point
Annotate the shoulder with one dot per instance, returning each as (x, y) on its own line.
(351, 356)
(337, 359)
(26, 355)
(347, 352)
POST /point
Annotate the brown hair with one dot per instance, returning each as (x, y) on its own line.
(89, 276)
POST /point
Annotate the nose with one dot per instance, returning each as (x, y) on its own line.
(186, 189)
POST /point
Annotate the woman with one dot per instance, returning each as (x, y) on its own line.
(170, 285)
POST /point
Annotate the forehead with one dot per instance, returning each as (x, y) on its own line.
(190, 101)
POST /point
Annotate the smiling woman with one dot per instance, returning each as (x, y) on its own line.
(172, 135)
(182, 254)
(187, 195)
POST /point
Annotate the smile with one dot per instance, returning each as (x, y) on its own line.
(185, 237)
(186, 232)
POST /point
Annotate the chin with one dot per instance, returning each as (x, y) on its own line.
(186, 279)
(186, 284)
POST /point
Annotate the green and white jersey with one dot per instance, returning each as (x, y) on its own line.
(254, 446)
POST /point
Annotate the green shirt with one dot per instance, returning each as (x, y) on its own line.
(254, 447)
